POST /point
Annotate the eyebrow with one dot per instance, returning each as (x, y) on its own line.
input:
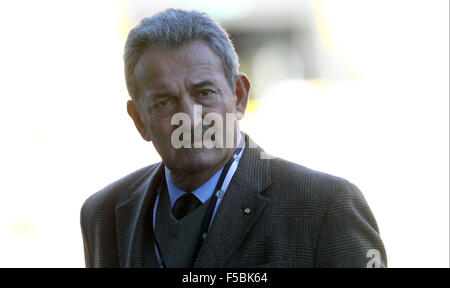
(161, 94)
(193, 86)
(203, 84)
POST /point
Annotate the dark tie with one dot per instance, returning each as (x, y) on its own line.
(184, 205)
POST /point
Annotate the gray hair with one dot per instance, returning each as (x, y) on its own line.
(174, 28)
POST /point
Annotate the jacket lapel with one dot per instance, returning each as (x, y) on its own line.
(130, 218)
(240, 209)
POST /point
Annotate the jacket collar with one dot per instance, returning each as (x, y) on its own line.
(130, 217)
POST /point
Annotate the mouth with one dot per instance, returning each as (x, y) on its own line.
(194, 139)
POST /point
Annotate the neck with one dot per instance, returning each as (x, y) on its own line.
(191, 181)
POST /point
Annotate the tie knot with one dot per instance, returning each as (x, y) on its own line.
(184, 205)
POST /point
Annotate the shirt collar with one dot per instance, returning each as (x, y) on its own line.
(203, 193)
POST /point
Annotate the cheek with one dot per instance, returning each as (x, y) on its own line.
(227, 105)
(159, 129)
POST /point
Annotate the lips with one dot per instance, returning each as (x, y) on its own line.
(197, 135)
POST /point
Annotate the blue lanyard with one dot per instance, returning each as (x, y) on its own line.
(212, 204)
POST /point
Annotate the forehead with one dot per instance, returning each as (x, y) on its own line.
(157, 69)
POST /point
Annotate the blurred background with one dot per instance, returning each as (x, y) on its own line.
(357, 89)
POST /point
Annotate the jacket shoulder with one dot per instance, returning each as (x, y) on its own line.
(310, 183)
(114, 193)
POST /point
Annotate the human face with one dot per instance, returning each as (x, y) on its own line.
(184, 77)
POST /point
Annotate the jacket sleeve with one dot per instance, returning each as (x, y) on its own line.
(87, 253)
(349, 235)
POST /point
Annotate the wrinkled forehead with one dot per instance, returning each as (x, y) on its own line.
(188, 63)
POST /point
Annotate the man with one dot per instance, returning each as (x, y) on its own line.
(221, 206)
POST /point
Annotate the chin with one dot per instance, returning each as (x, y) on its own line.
(195, 160)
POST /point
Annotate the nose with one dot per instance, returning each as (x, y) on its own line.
(192, 109)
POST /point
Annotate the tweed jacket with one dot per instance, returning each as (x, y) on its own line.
(296, 217)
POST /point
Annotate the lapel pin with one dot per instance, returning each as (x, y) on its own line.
(247, 210)
(220, 193)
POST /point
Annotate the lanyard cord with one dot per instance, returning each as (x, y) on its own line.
(212, 204)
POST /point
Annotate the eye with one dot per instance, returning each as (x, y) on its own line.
(206, 93)
(163, 103)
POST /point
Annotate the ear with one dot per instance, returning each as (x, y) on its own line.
(242, 90)
(134, 114)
